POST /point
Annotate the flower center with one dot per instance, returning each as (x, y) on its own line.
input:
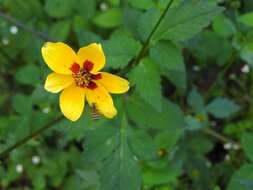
(82, 76)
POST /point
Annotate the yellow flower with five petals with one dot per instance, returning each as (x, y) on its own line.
(79, 78)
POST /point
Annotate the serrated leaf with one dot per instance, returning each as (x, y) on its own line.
(222, 108)
(186, 20)
(146, 77)
(171, 62)
(120, 50)
(100, 142)
(121, 171)
(144, 27)
(170, 118)
(131, 20)
(142, 144)
(109, 19)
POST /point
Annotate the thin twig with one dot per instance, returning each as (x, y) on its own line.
(6, 152)
(19, 24)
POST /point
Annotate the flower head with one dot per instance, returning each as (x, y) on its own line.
(79, 78)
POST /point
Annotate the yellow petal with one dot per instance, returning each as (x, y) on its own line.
(59, 57)
(72, 101)
(102, 100)
(113, 83)
(56, 82)
(93, 53)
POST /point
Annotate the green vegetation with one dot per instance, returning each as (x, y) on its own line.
(185, 124)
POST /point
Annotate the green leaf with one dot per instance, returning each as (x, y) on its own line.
(170, 118)
(142, 4)
(59, 8)
(142, 144)
(247, 143)
(109, 19)
(161, 176)
(170, 59)
(167, 139)
(247, 19)
(195, 100)
(144, 27)
(120, 50)
(146, 77)
(217, 188)
(222, 107)
(31, 9)
(121, 171)
(223, 26)
(85, 8)
(100, 142)
(199, 145)
(247, 52)
(114, 2)
(60, 30)
(186, 20)
(131, 19)
(22, 104)
(222, 49)
(242, 178)
(86, 37)
(28, 74)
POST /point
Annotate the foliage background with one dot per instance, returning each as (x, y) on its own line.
(185, 124)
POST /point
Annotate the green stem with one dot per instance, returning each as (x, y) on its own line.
(24, 27)
(6, 152)
(147, 42)
(218, 136)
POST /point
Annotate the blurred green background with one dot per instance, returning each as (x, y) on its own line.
(186, 123)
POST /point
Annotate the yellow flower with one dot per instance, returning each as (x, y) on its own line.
(77, 76)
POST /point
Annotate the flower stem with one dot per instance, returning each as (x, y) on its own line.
(147, 42)
(22, 141)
